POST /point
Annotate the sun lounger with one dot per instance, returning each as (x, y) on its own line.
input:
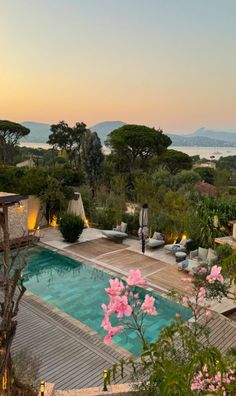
(156, 241)
(116, 236)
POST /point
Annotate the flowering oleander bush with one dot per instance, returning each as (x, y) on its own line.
(218, 383)
(178, 362)
(126, 305)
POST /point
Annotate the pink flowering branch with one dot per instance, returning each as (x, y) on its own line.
(217, 383)
(196, 295)
(127, 306)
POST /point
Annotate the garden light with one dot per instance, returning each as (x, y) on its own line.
(42, 388)
(105, 381)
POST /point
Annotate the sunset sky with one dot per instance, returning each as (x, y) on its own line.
(167, 63)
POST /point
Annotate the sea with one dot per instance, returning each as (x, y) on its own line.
(203, 152)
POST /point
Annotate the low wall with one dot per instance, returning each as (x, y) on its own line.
(113, 390)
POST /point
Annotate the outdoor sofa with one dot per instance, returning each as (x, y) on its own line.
(198, 258)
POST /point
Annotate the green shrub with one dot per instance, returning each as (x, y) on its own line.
(223, 251)
(71, 226)
(26, 370)
(105, 218)
(132, 220)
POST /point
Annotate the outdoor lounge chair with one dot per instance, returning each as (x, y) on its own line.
(176, 247)
(157, 240)
(115, 235)
(121, 228)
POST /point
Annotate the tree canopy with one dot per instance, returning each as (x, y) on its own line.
(64, 137)
(10, 134)
(174, 160)
(92, 157)
(137, 142)
(228, 163)
(207, 174)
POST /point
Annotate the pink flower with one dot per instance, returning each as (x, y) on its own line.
(135, 279)
(196, 386)
(112, 332)
(105, 323)
(148, 305)
(116, 288)
(202, 270)
(215, 275)
(218, 377)
(201, 294)
(186, 280)
(121, 306)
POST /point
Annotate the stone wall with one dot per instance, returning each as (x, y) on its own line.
(17, 220)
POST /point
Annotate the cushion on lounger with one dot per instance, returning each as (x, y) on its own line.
(202, 253)
(123, 227)
(157, 235)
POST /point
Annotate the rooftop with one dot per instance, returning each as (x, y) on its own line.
(11, 198)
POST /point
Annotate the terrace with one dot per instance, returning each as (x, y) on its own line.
(71, 354)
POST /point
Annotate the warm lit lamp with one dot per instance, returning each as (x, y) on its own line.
(53, 221)
(38, 232)
(19, 207)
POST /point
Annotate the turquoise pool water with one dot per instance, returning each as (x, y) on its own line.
(78, 290)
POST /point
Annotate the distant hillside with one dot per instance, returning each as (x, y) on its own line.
(104, 128)
(199, 141)
(228, 136)
(38, 132)
(203, 137)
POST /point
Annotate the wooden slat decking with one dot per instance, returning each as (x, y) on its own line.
(121, 258)
(70, 357)
(127, 260)
(222, 333)
(96, 247)
(169, 278)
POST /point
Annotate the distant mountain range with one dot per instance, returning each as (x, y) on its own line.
(203, 137)
(104, 128)
(39, 132)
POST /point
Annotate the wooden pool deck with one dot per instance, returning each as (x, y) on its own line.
(73, 357)
(69, 356)
(120, 257)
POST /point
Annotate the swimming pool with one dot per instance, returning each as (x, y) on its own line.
(78, 290)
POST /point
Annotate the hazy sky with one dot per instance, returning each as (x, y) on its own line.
(167, 63)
